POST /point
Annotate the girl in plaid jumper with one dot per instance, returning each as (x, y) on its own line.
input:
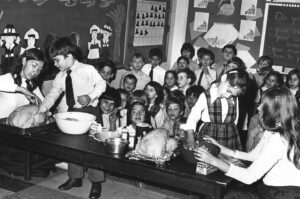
(218, 109)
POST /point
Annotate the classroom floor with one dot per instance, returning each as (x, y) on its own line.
(15, 187)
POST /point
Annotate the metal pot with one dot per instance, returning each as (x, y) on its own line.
(116, 145)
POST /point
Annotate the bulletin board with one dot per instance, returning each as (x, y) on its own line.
(62, 17)
(281, 35)
(150, 17)
(215, 23)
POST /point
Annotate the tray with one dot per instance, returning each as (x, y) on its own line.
(28, 131)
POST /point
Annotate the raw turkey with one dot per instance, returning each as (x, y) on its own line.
(156, 143)
(26, 116)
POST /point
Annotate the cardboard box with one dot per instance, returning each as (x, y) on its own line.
(205, 169)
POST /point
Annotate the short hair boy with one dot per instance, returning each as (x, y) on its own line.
(107, 70)
(129, 83)
(185, 79)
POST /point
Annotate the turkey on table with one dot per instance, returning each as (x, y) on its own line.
(156, 143)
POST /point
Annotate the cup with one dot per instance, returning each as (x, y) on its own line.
(142, 129)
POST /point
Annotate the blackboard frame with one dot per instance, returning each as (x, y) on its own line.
(264, 33)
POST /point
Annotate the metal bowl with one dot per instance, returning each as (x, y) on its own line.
(116, 145)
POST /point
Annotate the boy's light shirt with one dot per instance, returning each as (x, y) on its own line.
(158, 73)
(207, 79)
(85, 80)
(142, 79)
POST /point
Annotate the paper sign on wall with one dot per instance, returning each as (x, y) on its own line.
(221, 34)
(201, 21)
(248, 7)
(247, 30)
(150, 23)
(200, 3)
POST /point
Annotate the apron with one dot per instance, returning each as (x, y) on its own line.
(226, 132)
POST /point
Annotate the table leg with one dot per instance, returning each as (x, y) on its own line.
(28, 166)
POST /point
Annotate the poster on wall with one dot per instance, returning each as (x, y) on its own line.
(221, 34)
(149, 23)
(200, 3)
(201, 21)
(248, 7)
(247, 30)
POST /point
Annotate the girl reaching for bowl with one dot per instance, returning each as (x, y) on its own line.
(276, 158)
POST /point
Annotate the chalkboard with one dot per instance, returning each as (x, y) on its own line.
(64, 16)
(282, 34)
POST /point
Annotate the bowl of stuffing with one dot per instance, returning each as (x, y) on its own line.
(74, 123)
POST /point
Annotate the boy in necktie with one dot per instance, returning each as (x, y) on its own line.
(83, 86)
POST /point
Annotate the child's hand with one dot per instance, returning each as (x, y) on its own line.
(84, 100)
(113, 116)
(210, 139)
(203, 155)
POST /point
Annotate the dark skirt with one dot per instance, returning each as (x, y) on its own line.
(226, 134)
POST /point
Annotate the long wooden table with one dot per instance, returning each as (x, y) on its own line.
(82, 149)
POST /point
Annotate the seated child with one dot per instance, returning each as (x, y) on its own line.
(171, 80)
(293, 83)
(187, 50)
(175, 110)
(206, 74)
(153, 69)
(155, 95)
(129, 83)
(107, 70)
(137, 64)
(140, 95)
(125, 103)
(185, 79)
(182, 63)
(110, 100)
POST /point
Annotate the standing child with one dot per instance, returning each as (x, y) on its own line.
(182, 63)
(82, 86)
(129, 83)
(218, 109)
(229, 51)
(293, 83)
(171, 80)
(155, 95)
(191, 96)
(264, 66)
(187, 50)
(185, 79)
(153, 69)
(137, 64)
(206, 74)
(107, 70)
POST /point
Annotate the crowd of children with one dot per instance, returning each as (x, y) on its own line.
(192, 100)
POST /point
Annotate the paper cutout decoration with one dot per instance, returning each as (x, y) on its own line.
(200, 42)
(9, 41)
(221, 34)
(193, 34)
(226, 7)
(106, 32)
(257, 33)
(150, 23)
(30, 37)
(200, 3)
(201, 21)
(246, 57)
(94, 46)
(242, 47)
(258, 15)
(248, 7)
(247, 30)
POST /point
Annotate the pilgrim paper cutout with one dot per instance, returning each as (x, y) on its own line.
(200, 3)
(226, 7)
(94, 46)
(247, 30)
(30, 38)
(221, 34)
(88, 3)
(150, 23)
(106, 32)
(248, 7)
(201, 21)
(9, 41)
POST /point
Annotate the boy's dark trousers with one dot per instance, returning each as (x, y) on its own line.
(77, 171)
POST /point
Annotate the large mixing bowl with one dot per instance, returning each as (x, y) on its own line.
(116, 145)
(188, 155)
(74, 123)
